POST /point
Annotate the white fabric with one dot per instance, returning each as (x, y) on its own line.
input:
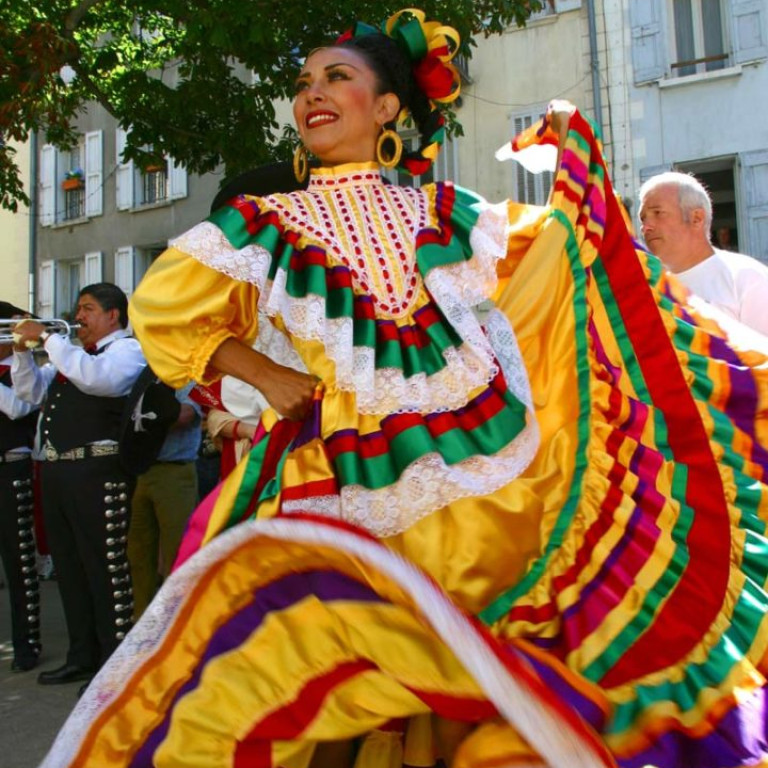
(734, 283)
(535, 159)
(109, 374)
(11, 405)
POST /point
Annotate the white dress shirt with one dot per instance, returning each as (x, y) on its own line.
(10, 404)
(108, 374)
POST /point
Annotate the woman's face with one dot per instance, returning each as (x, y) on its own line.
(337, 110)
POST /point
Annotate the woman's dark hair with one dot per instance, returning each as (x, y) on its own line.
(8, 310)
(394, 72)
(109, 297)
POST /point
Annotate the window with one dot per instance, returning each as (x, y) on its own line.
(132, 262)
(69, 283)
(71, 181)
(143, 258)
(71, 199)
(154, 184)
(159, 183)
(698, 43)
(531, 188)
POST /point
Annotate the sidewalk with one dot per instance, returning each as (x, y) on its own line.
(31, 714)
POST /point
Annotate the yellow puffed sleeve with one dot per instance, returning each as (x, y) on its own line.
(182, 311)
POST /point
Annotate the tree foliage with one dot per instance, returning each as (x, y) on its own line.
(178, 72)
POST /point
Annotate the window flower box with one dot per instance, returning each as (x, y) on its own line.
(73, 182)
(155, 168)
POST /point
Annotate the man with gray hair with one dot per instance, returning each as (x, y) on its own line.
(676, 217)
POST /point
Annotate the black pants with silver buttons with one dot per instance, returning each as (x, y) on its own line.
(86, 506)
(17, 551)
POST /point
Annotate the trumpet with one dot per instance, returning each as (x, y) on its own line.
(56, 325)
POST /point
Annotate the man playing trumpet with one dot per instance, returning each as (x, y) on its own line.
(17, 544)
(85, 490)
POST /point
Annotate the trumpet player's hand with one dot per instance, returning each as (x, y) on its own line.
(26, 335)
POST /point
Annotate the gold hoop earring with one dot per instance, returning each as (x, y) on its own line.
(393, 159)
(300, 164)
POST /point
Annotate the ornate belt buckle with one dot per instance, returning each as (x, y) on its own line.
(51, 454)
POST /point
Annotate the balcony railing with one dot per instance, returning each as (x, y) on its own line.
(74, 203)
(155, 186)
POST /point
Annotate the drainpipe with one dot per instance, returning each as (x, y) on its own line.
(594, 62)
(33, 213)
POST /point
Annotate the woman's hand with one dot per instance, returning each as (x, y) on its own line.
(559, 113)
(288, 391)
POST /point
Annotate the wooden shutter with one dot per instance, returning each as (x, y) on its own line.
(94, 163)
(47, 185)
(177, 180)
(93, 268)
(124, 269)
(748, 32)
(754, 171)
(646, 19)
(123, 173)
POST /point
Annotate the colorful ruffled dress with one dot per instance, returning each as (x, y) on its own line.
(530, 496)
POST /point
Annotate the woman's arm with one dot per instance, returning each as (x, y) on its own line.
(288, 391)
(559, 114)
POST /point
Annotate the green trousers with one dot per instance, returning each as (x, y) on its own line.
(165, 497)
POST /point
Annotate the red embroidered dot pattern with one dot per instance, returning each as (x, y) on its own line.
(367, 226)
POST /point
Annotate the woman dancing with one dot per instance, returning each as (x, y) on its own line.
(514, 509)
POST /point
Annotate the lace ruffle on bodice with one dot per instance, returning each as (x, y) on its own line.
(415, 261)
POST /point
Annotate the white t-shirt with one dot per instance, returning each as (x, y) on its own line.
(734, 283)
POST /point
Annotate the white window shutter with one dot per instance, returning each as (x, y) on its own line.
(646, 19)
(93, 268)
(530, 188)
(123, 174)
(748, 29)
(653, 170)
(94, 174)
(755, 174)
(177, 180)
(47, 185)
(47, 289)
(124, 269)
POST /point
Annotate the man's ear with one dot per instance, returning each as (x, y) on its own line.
(388, 108)
(698, 218)
(114, 316)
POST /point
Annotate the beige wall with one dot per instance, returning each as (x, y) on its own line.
(14, 236)
(510, 73)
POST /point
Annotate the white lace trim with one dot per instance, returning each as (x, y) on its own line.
(277, 346)
(209, 245)
(429, 484)
(456, 288)
(552, 737)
